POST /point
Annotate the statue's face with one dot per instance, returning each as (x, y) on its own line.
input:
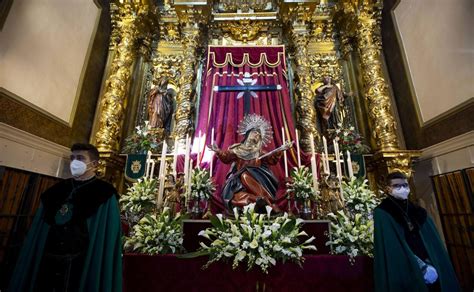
(327, 80)
(254, 136)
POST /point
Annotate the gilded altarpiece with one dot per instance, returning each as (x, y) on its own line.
(152, 41)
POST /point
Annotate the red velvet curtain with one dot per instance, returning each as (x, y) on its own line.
(223, 110)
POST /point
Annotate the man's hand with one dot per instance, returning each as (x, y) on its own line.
(213, 147)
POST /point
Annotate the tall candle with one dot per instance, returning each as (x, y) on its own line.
(349, 165)
(198, 162)
(147, 164)
(313, 152)
(212, 152)
(175, 156)
(338, 159)
(315, 174)
(162, 174)
(327, 154)
(186, 158)
(188, 184)
(298, 148)
(284, 152)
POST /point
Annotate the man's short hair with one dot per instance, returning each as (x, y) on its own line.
(395, 175)
(91, 149)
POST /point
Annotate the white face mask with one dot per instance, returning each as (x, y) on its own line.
(78, 168)
(400, 193)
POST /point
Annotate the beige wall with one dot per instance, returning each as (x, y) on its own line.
(438, 40)
(43, 48)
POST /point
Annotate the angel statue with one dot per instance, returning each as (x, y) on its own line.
(249, 179)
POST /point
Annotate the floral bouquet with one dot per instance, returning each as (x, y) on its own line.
(145, 138)
(139, 200)
(157, 234)
(352, 236)
(352, 233)
(350, 140)
(254, 239)
(359, 197)
(202, 186)
(301, 184)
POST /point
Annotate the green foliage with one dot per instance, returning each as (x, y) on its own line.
(157, 234)
(352, 232)
(301, 184)
(202, 186)
(141, 141)
(254, 239)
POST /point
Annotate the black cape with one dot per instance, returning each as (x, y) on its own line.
(395, 267)
(98, 205)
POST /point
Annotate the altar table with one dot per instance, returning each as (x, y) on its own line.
(319, 273)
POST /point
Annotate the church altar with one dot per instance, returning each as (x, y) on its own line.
(319, 273)
(291, 66)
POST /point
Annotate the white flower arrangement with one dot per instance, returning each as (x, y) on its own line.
(157, 234)
(255, 239)
(351, 236)
(352, 233)
(140, 199)
(301, 184)
(202, 187)
(359, 197)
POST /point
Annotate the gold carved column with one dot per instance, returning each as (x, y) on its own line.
(185, 99)
(388, 156)
(375, 85)
(131, 17)
(306, 113)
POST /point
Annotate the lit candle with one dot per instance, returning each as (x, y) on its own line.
(198, 161)
(188, 185)
(212, 152)
(326, 154)
(315, 174)
(175, 156)
(147, 164)
(284, 152)
(349, 165)
(298, 148)
(162, 174)
(186, 158)
(338, 160)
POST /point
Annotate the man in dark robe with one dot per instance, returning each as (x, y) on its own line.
(250, 180)
(408, 252)
(74, 243)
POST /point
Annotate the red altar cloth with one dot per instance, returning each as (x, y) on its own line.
(319, 273)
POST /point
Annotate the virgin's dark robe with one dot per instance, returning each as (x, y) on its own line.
(74, 242)
(327, 104)
(395, 246)
(256, 168)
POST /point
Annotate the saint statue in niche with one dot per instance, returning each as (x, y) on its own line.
(249, 179)
(160, 105)
(330, 104)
